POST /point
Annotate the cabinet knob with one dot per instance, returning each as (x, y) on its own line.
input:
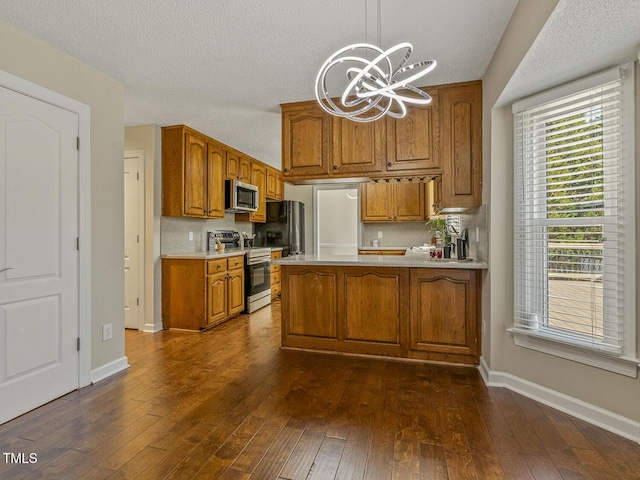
(389, 164)
(335, 167)
(286, 170)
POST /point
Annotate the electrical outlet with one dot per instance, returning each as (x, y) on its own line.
(379, 233)
(191, 236)
(107, 332)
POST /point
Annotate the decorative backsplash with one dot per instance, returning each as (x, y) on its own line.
(174, 232)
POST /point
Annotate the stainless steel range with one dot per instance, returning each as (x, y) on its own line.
(257, 278)
(257, 268)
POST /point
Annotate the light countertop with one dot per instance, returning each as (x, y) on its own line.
(205, 255)
(420, 260)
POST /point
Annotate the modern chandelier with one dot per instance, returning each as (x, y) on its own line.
(373, 86)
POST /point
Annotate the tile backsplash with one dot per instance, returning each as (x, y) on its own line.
(412, 234)
(174, 232)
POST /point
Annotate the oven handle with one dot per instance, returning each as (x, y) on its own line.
(257, 261)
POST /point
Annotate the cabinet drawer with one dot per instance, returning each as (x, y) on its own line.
(275, 277)
(235, 262)
(276, 254)
(216, 266)
(275, 268)
(275, 290)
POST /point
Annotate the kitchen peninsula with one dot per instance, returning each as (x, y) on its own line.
(407, 306)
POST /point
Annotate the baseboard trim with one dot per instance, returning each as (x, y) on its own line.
(612, 422)
(109, 369)
(151, 328)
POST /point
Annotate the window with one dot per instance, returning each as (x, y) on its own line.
(574, 223)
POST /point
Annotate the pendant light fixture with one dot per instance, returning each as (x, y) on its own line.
(374, 87)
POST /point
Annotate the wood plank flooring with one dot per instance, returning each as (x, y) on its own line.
(228, 404)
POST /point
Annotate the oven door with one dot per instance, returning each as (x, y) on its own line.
(258, 278)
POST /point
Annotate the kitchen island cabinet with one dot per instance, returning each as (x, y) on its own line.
(391, 307)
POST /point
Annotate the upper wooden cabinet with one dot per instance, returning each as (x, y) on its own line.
(357, 147)
(192, 174)
(306, 138)
(275, 184)
(442, 138)
(194, 168)
(462, 146)
(413, 142)
(392, 202)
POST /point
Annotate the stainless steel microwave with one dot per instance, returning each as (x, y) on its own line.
(240, 196)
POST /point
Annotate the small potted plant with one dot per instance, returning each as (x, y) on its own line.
(443, 233)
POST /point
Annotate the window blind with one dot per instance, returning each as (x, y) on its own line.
(569, 226)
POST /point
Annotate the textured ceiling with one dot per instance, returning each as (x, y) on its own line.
(580, 38)
(223, 67)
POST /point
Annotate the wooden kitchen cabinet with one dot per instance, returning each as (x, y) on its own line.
(357, 147)
(200, 293)
(306, 140)
(428, 314)
(392, 202)
(238, 167)
(382, 252)
(192, 174)
(276, 272)
(443, 312)
(413, 142)
(462, 146)
(275, 184)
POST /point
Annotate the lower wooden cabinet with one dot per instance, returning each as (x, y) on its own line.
(276, 274)
(200, 293)
(416, 313)
(382, 252)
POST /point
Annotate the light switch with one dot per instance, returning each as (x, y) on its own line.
(379, 233)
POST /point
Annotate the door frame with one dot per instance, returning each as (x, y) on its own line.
(142, 264)
(83, 111)
(316, 210)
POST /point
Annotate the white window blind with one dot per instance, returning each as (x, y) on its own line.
(569, 219)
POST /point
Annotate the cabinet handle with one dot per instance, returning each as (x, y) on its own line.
(335, 167)
(389, 164)
(286, 170)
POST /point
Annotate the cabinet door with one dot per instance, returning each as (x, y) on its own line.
(216, 298)
(409, 201)
(244, 170)
(443, 315)
(462, 146)
(233, 166)
(195, 176)
(358, 147)
(375, 202)
(272, 183)
(413, 142)
(235, 291)
(215, 184)
(259, 179)
(279, 186)
(306, 133)
(373, 310)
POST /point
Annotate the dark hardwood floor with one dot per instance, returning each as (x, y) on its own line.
(228, 404)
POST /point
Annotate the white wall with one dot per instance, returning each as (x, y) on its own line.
(31, 59)
(609, 391)
(337, 222)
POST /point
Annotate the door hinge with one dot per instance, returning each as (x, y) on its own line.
(77, 143)
(137, 238)
(137, 175)
(78, 343)
(138, 301)
(77, 243)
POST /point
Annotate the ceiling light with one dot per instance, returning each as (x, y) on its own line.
(375, 88)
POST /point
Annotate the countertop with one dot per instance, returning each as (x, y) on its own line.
(421, 260)
(205, 255)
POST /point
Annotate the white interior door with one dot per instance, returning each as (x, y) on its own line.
(133, 214)
(38, 254)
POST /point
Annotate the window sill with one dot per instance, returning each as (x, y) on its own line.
(622, 366)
